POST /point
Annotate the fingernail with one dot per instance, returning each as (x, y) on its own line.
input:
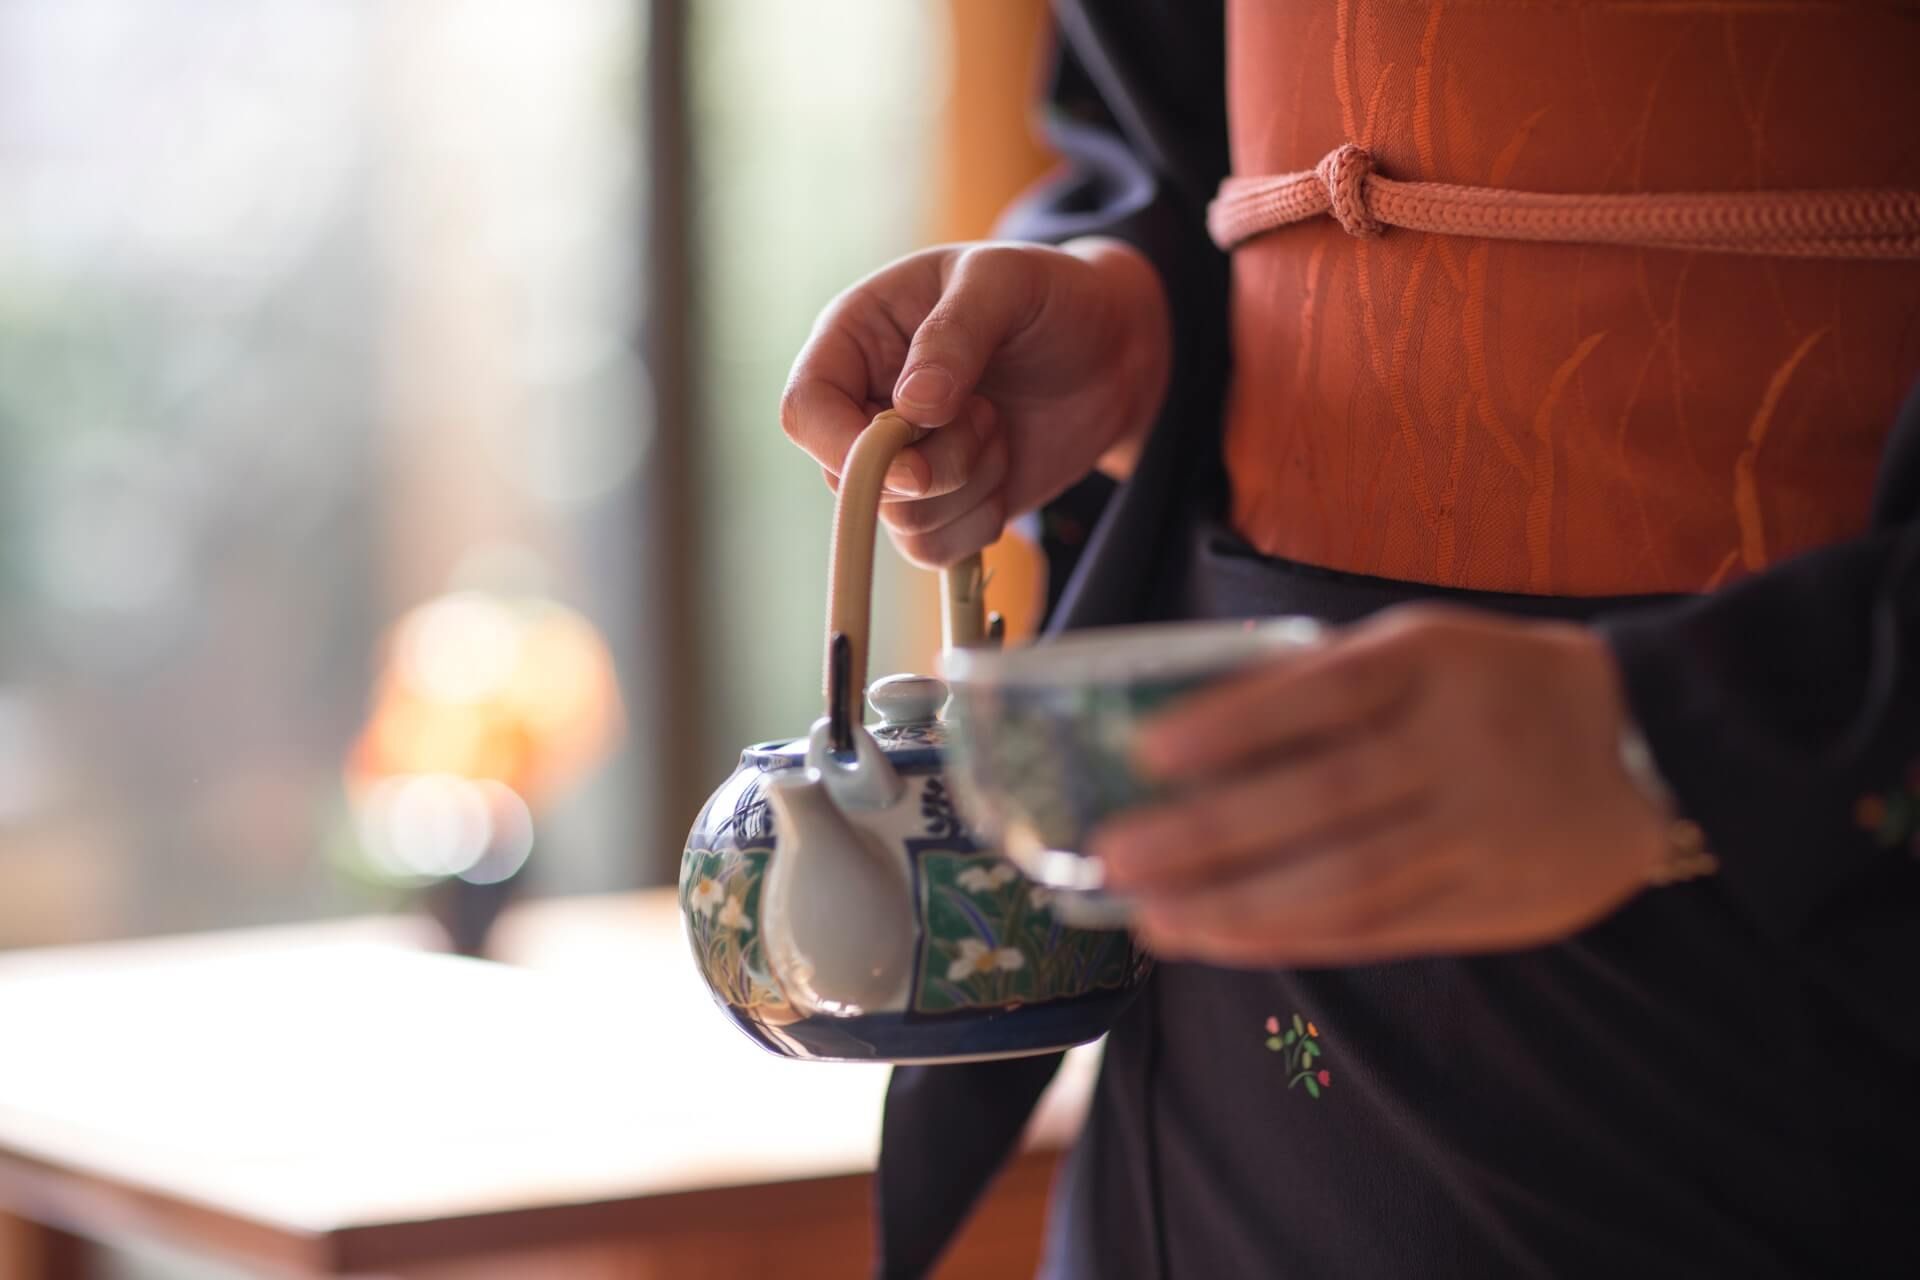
(901, 479)
(924, 388)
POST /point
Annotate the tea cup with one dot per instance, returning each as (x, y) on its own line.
(1043, 737)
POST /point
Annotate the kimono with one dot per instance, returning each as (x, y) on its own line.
(1720, 1078)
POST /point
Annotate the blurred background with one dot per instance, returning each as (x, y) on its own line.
(396, 530)
(391, 488)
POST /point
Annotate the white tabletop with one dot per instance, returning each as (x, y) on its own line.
(324, 1077)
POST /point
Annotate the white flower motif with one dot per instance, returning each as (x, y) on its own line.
(707, 894)
(732, 917)
(1039, 898)
(984, 879)
(977, 957)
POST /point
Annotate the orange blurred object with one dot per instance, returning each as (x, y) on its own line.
(516, 691)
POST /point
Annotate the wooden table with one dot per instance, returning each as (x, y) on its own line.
(339, 1100)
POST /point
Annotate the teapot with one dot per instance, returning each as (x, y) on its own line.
(838, 905)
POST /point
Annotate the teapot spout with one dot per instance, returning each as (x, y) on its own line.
(836, 907)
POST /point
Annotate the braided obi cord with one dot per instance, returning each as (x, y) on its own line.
(1782, 224)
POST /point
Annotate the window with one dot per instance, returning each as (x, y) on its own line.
(313, 315)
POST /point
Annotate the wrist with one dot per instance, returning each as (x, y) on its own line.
(1682, 852)
(1144, 350)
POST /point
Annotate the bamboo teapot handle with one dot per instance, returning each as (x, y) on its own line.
(856, 517)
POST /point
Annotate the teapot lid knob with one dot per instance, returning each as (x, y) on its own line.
(908, 699)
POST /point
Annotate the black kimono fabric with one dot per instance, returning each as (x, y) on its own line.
(1720, 1079)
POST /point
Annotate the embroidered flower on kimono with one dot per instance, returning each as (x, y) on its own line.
(1870, 812)
(1298, 1045)
(977, 957)
(984, 879)
(1892, 817)
(707, 894)
(1039, 899)
(732, 917)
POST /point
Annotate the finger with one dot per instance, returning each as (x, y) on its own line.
(944, 460)
(1289, 704)
(1369, 895)
(967, 459)
(990, 294)
(1214, 832)
(823, 407)
(940, 465)
(973, 530)
(870, 410)
(925, 515)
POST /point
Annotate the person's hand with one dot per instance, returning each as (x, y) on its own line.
(1430, 781)
(1030, 365)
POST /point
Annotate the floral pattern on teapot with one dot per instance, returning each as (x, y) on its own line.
(720, 899)
(990, 939)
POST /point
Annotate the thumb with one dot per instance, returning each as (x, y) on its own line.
(989, 294)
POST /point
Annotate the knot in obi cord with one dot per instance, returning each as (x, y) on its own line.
(1344, 172)
(1849, 223)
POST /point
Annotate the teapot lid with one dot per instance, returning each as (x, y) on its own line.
(910, 733)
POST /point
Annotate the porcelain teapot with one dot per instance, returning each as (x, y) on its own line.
(837, 904)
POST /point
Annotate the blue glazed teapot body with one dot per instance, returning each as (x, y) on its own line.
(837, 904)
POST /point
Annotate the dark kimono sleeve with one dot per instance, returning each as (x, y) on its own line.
(1784, 712)
(1135, 108)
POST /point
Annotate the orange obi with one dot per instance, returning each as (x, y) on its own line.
(1491, 343)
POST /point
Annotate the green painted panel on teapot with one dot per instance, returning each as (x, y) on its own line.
(990, 940)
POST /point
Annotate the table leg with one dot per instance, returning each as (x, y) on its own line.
(33, 1251)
